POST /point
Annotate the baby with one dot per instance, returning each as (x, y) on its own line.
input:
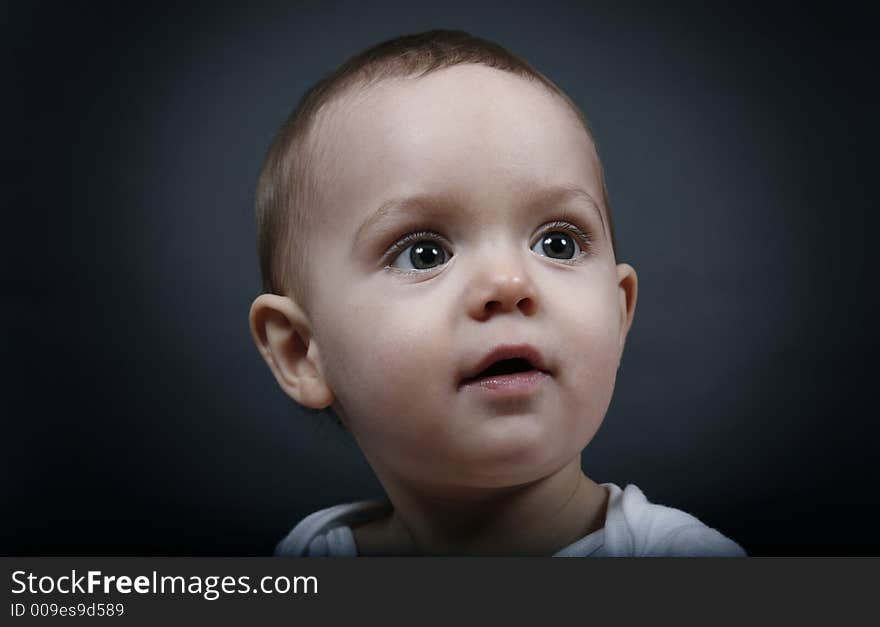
(439, 270)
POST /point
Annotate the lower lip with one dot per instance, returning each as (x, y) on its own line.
(519, 383)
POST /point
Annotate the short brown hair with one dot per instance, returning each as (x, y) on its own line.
(287, 185)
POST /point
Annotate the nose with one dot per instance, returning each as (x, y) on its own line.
(501, 284)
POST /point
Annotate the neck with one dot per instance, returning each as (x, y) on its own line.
(537, 518)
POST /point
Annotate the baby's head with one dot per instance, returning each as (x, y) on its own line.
(439, 265)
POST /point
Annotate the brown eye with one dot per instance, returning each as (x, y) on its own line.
(557, 245)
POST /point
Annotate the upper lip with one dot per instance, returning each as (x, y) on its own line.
(508, 351)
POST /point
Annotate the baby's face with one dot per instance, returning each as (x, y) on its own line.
(461, 222)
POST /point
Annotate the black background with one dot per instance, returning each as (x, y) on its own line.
(740, 146)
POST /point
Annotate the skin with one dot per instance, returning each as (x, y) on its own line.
(387, 347)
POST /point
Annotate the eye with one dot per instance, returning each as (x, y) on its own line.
(422, 254)
(557, 245)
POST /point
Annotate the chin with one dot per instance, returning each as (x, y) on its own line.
(520, 453)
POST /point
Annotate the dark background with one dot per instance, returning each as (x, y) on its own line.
(740, 147)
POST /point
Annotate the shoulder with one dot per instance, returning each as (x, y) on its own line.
(636, 527)
(327, 532)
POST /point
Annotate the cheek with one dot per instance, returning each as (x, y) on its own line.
(592, 354)
(375, 350)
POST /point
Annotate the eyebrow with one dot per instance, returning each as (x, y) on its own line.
(555, 194)
(560, 194)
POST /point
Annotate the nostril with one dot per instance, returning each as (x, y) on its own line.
(493, 306)
(527, 306)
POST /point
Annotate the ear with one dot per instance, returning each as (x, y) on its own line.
(627, 289)
(283, 335)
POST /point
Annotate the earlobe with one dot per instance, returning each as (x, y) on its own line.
(283, 335)
(627, 284)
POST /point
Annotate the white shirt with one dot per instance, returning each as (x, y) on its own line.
(634, 527)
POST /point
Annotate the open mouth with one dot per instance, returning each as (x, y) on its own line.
(508, 371)
(501, 368)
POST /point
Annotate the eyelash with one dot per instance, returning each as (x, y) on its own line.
(411, 238)
(585, 240)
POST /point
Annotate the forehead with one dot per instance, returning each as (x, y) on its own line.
(469, 131)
